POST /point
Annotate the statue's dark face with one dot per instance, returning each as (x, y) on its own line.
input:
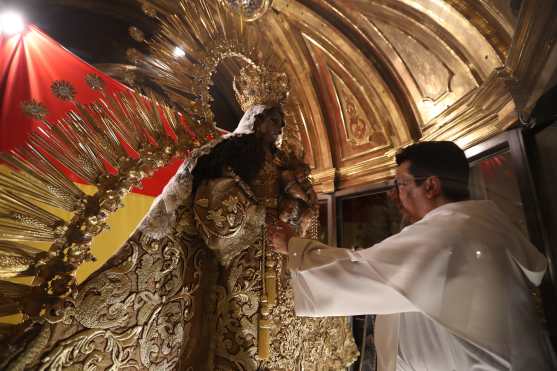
(270, 128)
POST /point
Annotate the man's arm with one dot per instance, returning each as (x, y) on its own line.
(330, 281)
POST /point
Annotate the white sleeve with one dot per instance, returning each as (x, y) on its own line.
(329, 281)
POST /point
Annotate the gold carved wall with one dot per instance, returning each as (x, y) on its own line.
(372, 76)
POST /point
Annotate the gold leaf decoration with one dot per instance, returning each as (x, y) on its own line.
(217, 217)
(209, 34)
(256, 85)
(232, 204)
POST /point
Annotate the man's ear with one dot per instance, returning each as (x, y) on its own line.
(433, 187)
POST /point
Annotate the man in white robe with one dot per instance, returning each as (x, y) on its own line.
(452, 291)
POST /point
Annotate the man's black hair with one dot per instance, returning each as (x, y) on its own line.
(442, 159)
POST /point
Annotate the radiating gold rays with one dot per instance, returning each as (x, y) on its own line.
(111, 144)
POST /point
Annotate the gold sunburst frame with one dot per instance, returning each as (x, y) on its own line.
(184, 56)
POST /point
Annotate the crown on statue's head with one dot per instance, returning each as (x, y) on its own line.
(257, 85)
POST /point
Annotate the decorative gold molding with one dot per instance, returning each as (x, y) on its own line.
(490, 21)
(481, 114)
(359, 127)
(532, 59)
(373, 170)
(323, 180)
(458, 114)
(484, 112)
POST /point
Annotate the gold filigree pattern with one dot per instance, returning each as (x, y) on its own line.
(135, 312)
(83, 141)
(232, 204)
(243, 301)
(177, 302)
(187, 77)
(216, 217)
(309, 343)
(158, 303)
(237, 311)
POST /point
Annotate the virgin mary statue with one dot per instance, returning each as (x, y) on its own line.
(196, 287)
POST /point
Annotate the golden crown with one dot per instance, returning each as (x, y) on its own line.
(257, 85)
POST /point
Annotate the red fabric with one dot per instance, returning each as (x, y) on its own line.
(29, 63)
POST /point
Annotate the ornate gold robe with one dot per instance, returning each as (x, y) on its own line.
(190, 298)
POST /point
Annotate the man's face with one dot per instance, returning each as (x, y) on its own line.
(412, 197)
(270, 128)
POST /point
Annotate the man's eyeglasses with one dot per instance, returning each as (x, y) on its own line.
(397, 183)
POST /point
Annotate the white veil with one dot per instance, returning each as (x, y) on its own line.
(247, 123)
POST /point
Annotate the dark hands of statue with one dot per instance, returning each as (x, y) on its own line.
(278, 235)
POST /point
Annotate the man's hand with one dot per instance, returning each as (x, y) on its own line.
(279, 234)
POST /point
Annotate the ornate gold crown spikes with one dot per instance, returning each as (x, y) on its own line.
(257, 85)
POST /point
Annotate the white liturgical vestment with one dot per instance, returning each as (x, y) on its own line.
(452, 291)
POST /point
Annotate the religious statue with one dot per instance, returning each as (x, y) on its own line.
(196, 287)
